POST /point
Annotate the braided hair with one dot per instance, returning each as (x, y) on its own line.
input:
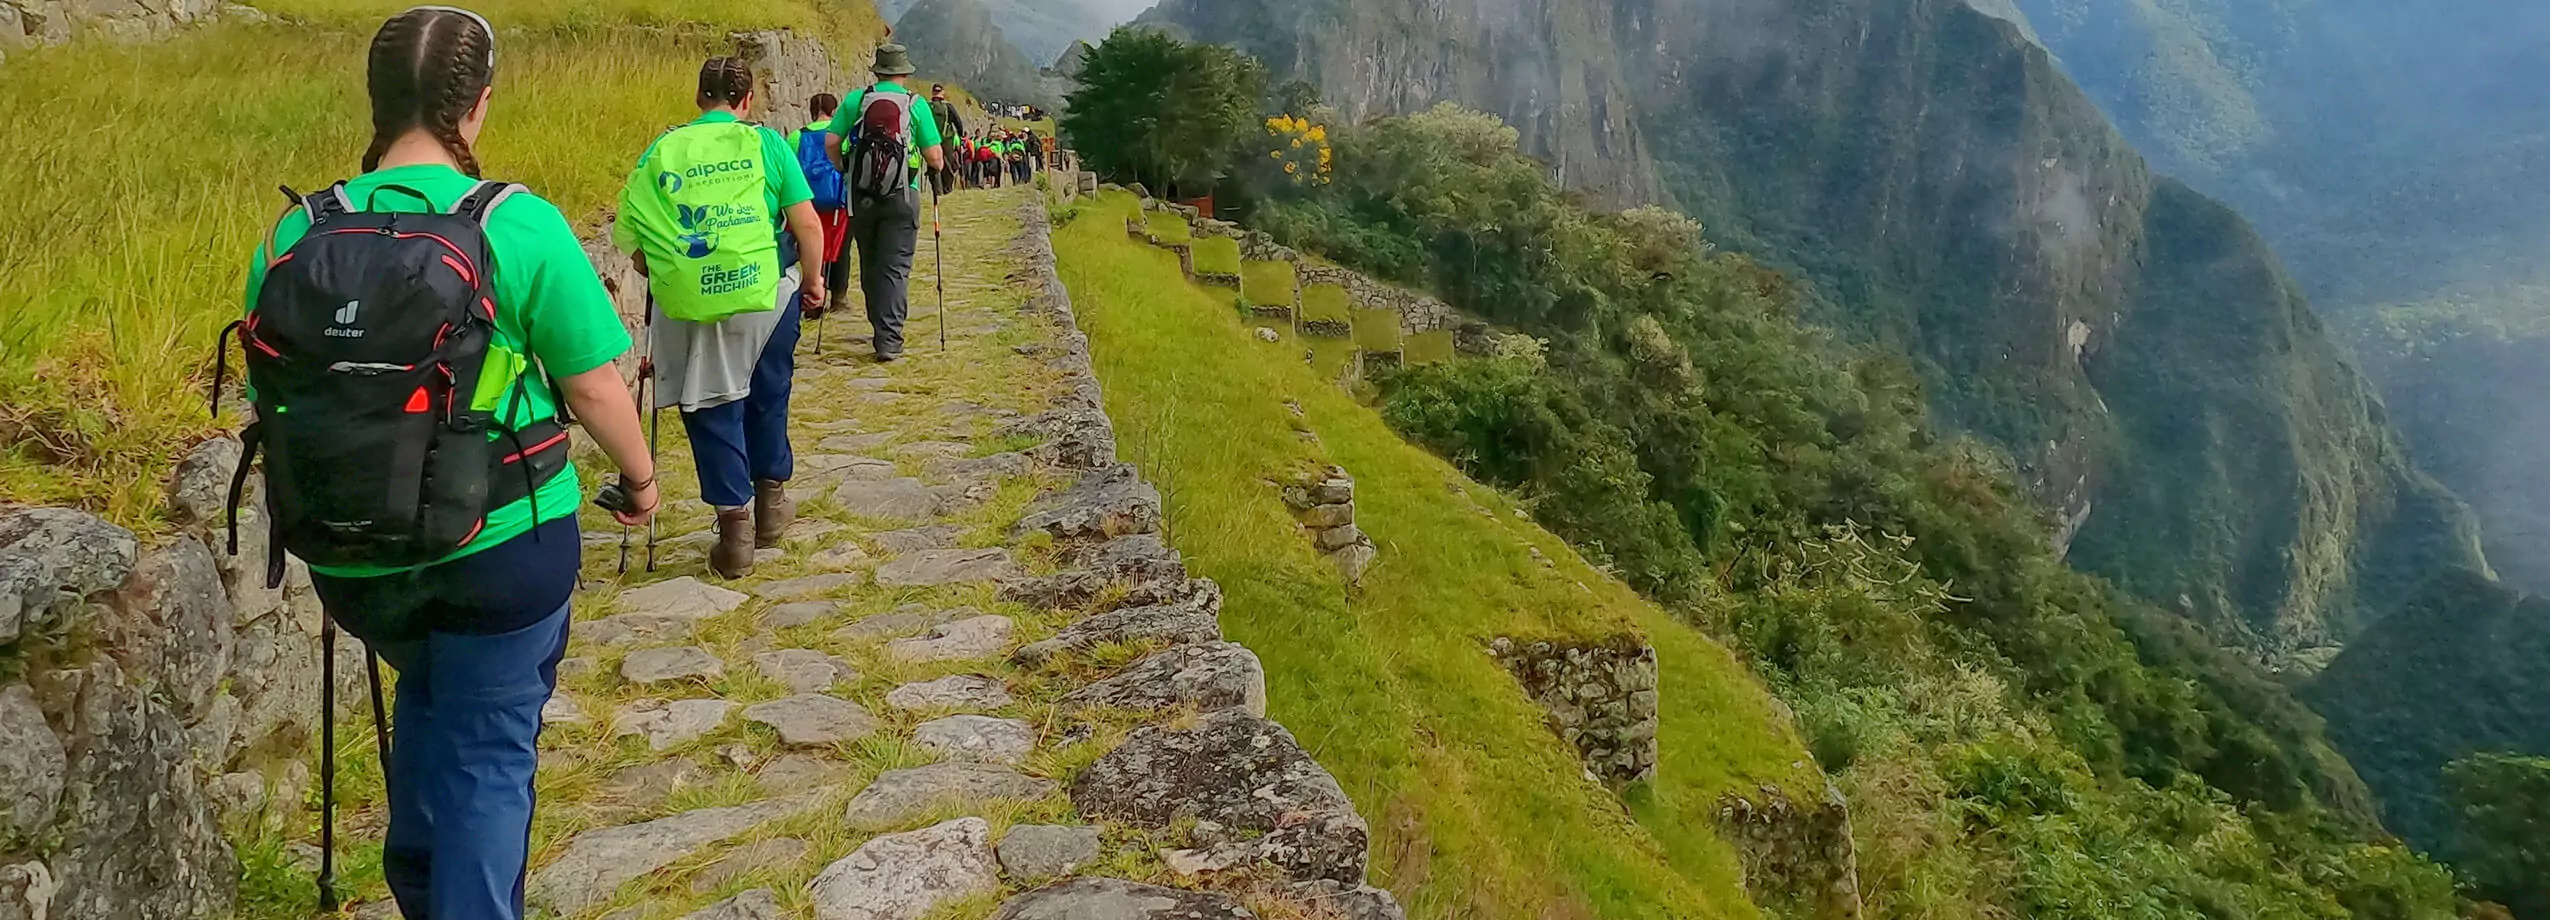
(429, 66)
(724, 81)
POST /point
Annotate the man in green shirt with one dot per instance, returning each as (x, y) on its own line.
(887, 226)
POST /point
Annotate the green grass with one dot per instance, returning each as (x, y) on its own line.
(1327, 303)
(1477, 808)
(1168, 227)
(1267, 283)
(1377, 330)
(118, 278)
(1218, 254)
(1428, 347)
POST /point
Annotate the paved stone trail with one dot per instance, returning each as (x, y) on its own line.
(851, 733)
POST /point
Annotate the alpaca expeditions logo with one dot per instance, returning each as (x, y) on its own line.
(672, 182)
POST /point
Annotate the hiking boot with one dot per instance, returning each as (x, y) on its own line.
(773, 511)
(732, 556)
(889, 357)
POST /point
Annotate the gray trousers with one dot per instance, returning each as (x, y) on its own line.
(886, 231)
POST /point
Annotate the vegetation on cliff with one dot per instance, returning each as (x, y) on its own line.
(1931, 184)
(2014, 737)
(2458, 673)
(1477, 807)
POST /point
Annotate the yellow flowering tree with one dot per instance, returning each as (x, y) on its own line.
(1301, 147)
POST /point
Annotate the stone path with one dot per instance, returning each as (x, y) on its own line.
(971, 671)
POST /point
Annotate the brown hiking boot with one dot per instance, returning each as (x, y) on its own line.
(732, 556)
(773, 511)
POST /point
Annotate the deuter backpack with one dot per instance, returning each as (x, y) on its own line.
(879, 161)
(381, 399)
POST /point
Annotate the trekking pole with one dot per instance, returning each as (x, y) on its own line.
(938, 259)
(654, 419)
(327, 766)
(380, 711)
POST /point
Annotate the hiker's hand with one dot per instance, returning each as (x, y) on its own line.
(814, 295)
(647, 499)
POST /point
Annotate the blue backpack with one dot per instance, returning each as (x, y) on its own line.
(822, 176)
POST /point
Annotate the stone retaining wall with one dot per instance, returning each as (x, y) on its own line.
(1417, 312)
(1799, 856)
(1601, 698)
(1247, 799)
(1325, 506)
(29, 23)
(150, 690)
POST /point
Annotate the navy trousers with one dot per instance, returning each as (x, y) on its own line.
(463, 752)
(741, 441)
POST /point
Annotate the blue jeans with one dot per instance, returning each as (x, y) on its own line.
(463, 749)
(741, 441)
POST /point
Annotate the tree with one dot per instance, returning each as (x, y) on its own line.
(1162, 112)
(2503, 802)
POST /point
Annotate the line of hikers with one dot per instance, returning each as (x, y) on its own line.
(418, 340)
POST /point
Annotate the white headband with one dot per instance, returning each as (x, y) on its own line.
(482, 24)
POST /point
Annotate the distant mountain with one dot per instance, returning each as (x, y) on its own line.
(2398, 155)
(2390, 149)
(1952, 196)
(1042, 29)
(959, 41)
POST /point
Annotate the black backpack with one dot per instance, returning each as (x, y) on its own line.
(879, 161)
(366, 348)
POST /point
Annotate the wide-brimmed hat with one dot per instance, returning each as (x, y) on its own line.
(893, 61)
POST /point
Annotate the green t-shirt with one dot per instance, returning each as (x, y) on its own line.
(798, 136)
(925, 126)
(543, 283)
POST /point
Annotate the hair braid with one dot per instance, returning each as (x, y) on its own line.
(463, 80)
(725, 81)
(427, 69)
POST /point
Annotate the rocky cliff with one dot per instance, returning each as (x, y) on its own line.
(1948, 192)
(958, 41)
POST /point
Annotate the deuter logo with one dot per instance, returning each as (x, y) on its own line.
(344, 328)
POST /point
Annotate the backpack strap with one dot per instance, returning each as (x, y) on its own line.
(481, 202)
(327, 203)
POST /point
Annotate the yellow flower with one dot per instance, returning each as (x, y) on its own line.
(1292, 168)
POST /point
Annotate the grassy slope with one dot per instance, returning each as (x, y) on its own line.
(160, 163)
(1477, 808)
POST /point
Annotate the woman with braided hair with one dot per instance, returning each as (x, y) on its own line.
(720, 219)
(475, 635)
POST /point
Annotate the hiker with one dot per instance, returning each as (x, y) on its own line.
(461, 336)
(951, 127)
(719, 218)
(987, 161)
(823, 179)
(1035, 153)
(883, 144)
(1016, 149)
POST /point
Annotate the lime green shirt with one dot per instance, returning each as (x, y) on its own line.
(544, 284)
(798, 136)
(925, 126)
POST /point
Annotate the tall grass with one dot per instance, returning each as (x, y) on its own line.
(1477, 808)
(149, 174)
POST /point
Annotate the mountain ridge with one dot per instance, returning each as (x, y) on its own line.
(1946, 190)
